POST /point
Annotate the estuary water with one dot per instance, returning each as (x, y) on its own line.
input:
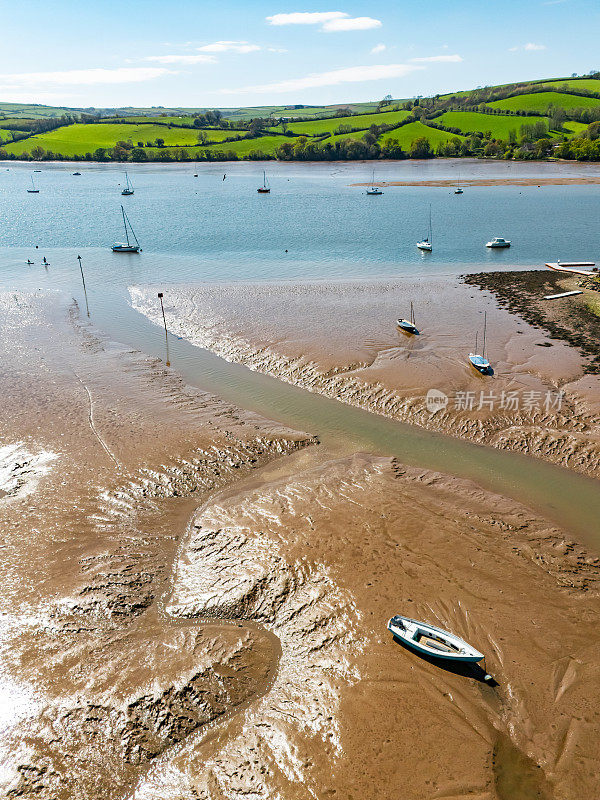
(214, 229)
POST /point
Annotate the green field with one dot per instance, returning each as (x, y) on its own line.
(80, 139)
(474, 121)
(587, 84)
(361, 121)
(407, 134)
(267, 144)
(577, 128)
(31, 110)
(5, 136)
(540, 101)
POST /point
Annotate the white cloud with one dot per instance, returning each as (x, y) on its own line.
(331, 21)
(82, 77)
(228, 47)
(455, 59)
(276, 50)
(379, 48)
(351, 24)
(530, 46)
(373, 72)
(305, 17)
(174, 59)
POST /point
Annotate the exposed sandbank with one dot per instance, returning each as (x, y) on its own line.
(557, 180)
(340, 339)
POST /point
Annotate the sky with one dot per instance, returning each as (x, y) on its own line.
(230, 53)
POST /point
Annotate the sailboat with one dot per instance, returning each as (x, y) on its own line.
(372, 190)
(128, 186)
(121, 247)
(427, 243)
(408, 325)
(33, 190)
(264, 189)
(458, 189)
(480, 362)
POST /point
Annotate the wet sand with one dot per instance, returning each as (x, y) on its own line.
(340, 339)
(195, 598)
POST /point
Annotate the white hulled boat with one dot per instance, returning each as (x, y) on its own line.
(427, 243)
(127, 247)
(429, 640)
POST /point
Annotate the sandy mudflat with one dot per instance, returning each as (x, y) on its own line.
(557, 180)
(194, 598)
(340, 339)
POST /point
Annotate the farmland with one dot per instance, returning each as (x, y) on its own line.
(540, 101)
(472, 121)
(79, 139)
(521, 121)
(330, 125)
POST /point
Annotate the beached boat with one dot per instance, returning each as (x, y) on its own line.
(498, 241)
(33, 190)
(128, 247)
(408, 325)
(128, 186)
(373, 190)
(429, 640)
(480, 362)
(427, 243)
(264, 189)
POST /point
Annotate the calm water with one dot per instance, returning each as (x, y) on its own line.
(207, 228)
(199, 229)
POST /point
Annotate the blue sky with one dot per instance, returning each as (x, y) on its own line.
(261, 52)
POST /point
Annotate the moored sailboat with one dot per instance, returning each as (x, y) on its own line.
(480, 362)
(33, 189)
(128, 186)
(264, 189)
(427, 243)
(127, 247)
(408, 325)
(373, 190)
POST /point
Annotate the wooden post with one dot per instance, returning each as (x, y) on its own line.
(84, 289)
(160, 297)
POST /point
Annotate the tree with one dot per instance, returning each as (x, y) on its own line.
(159, 142)
(420, 148)
(139, 154)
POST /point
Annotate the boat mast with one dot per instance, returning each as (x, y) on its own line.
(125, 225)
(131, 228)
(412, 314)
(484, 328)
(430, 228)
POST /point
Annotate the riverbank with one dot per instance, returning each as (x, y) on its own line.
(194, 599)
(340, 339)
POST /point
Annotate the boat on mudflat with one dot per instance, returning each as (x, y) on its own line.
(429, 640)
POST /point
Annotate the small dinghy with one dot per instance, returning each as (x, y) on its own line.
(429, 640)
